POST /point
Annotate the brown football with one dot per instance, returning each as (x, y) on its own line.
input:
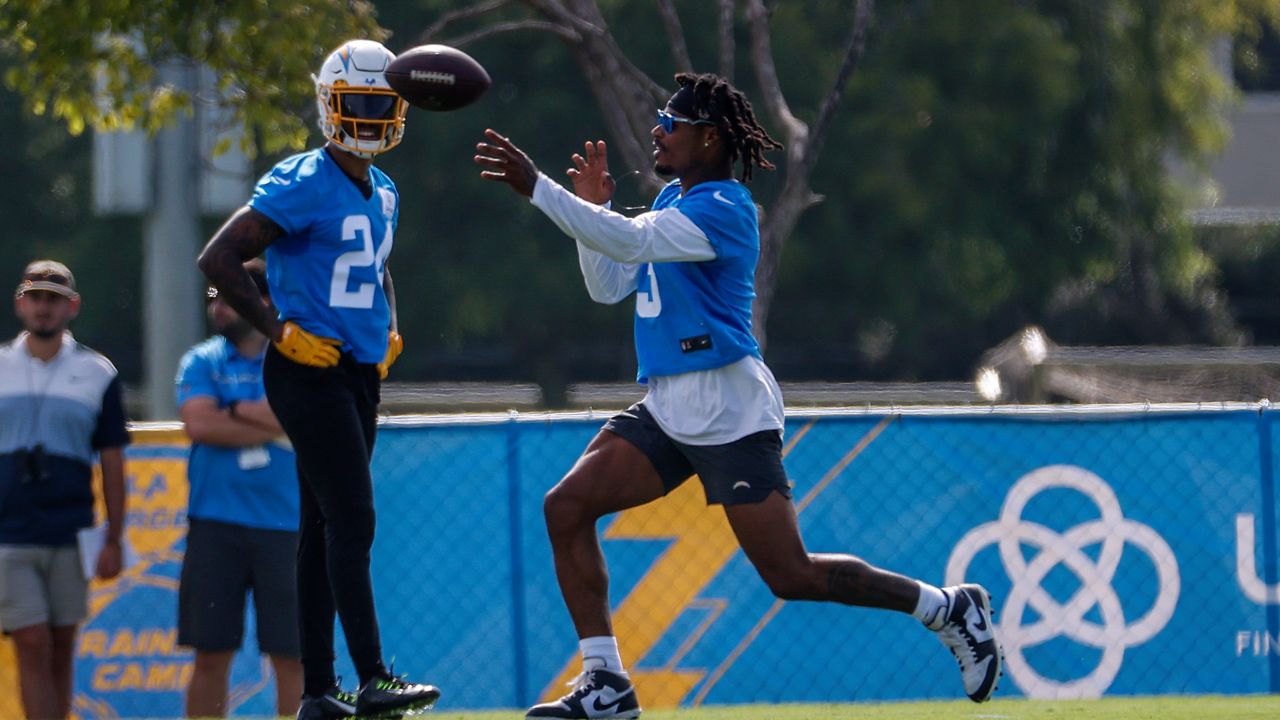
(437, 77)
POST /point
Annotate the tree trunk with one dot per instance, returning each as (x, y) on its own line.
(626, 96)
(803, 147)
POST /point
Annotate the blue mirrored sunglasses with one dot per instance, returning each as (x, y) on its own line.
(668, 121)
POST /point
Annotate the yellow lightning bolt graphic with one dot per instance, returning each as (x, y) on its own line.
(702, 544)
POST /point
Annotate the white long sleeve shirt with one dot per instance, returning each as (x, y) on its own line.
(705, 407)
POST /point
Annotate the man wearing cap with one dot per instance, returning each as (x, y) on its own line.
(242, 513)
(60, 403)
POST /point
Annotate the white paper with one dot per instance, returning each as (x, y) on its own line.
(91, 540)
(253, 457)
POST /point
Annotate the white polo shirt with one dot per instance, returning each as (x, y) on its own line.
(62, 411)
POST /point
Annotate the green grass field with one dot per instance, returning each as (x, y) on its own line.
(1253, 707)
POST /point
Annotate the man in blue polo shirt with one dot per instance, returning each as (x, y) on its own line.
(242, 513)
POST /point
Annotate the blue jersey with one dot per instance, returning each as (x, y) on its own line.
(325, 273)
(256, 486)
(697, 315)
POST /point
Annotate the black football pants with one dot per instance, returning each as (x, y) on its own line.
(330, 416)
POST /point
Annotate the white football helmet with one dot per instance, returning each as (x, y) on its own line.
(359, 112)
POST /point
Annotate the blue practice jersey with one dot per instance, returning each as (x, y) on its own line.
(325, 274)
(255, 486)
(697, 315)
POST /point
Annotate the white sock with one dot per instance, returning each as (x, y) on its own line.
(931, 607)
(601, 652)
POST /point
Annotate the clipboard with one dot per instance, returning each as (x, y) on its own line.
(91, 540)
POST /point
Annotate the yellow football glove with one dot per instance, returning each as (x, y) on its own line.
(395, 345)
(307, 348)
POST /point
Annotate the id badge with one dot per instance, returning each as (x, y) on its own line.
(254, 457)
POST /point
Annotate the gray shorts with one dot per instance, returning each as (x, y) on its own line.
(745, 471)
(41, 584)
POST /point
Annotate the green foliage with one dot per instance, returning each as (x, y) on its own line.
(1005, 163)
(91, 63)
(995, 163)
(46, 205)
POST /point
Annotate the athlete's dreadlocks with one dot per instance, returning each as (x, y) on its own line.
(715, 99)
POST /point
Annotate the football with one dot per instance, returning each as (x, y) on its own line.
(437, 77)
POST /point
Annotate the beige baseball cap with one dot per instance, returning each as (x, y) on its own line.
(49, 275)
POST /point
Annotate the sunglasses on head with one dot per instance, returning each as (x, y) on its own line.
(668, 121)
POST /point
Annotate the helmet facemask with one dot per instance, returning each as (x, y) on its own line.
(359, 112)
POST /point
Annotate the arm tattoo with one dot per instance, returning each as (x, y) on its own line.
(244, 236)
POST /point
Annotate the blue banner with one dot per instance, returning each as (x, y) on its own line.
(1127, 553)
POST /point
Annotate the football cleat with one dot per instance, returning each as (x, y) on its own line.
(596, 694)
(393, 697)
(334, 704)
(970, 635)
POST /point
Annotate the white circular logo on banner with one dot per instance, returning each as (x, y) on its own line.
(1113, 531)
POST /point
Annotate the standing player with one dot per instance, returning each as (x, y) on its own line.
(325, 219)
(713, 407)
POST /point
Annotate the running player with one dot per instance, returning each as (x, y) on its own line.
(712, 406)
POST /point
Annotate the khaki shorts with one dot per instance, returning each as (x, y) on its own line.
(41, 584)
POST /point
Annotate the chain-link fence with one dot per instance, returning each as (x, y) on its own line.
(1129, 551)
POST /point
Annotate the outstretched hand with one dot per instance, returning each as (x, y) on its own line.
(591, 179)
(507, 163)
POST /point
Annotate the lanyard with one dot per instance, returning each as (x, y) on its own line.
(37, 398)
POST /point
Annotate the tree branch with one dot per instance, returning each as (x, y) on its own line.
(853, 49)
(675, 35)
(655, 90)
(516, 26)
(455, 15)
(577, 16)
(803, 144)
(624, 94)
(555, 10)
(771, 92)
(726, 39)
